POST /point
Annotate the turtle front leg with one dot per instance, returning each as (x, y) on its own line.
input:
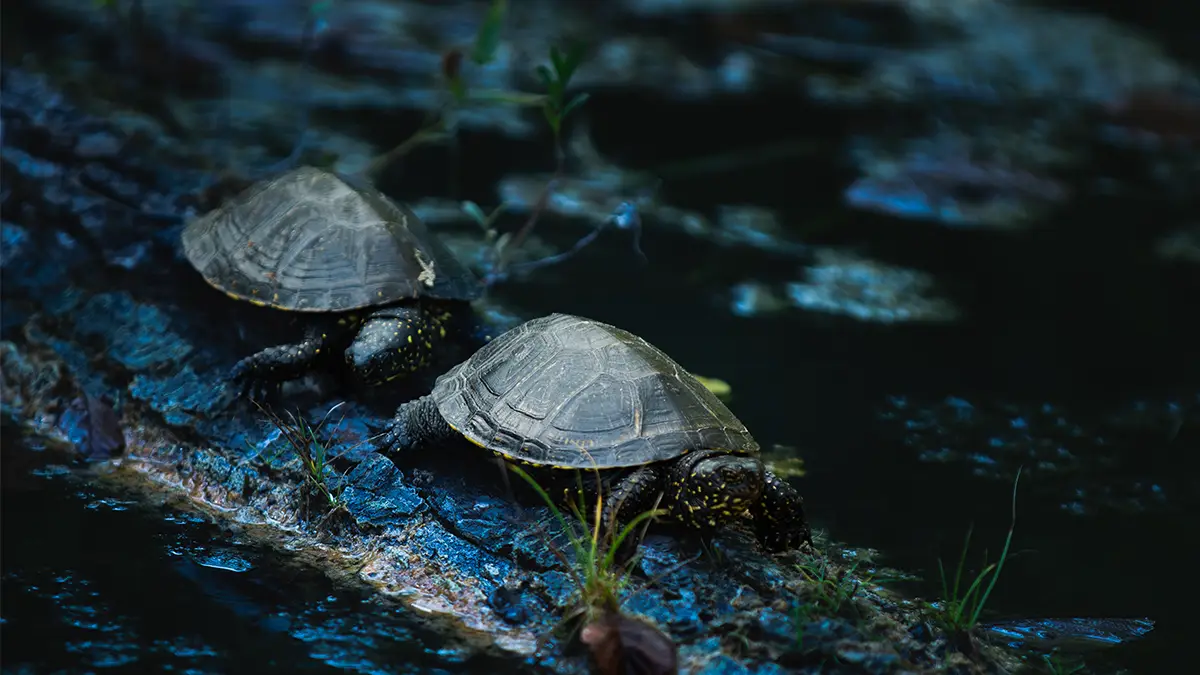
(266, 371)
(632, 495)
(779, 521)
(417, 425)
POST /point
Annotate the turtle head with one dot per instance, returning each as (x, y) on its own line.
(717, 487)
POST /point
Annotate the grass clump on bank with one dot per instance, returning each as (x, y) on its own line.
(305, 440)
(959, 610)
(600, 566)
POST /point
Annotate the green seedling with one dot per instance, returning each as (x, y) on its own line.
(960, 610)
(555, 78)
(487, 223)
(596, 572)
(487, 40)
(440, 126)
(555, 107)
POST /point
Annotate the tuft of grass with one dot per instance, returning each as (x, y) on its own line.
(960, 609)
(831, 592)
(305, 441)
(598, 575)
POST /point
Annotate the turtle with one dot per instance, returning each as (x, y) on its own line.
(564, 392)
(314, 241)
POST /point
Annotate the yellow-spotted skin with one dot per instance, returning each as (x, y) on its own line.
(397, 342)
(568, 393)
(371, 348)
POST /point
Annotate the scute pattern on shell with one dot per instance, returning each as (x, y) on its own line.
(568, 391)
(311, 241)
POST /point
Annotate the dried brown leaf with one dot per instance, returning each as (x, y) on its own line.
(622, 645)
(105, 437)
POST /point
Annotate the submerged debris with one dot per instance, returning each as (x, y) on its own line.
(1068, 454)
(843, 283)
(944, 179)
(1074, 634)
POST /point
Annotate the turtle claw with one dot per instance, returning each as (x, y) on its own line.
(393, 437)
(246, 385)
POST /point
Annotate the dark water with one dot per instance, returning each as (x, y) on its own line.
(95, 582)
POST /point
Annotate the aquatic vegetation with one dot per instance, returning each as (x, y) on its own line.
(959, 609)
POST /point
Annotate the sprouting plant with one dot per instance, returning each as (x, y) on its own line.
(831, 592)
(487, 222)
(555, 107)
(555, 78)
(305, 440)
(441, 124)
(598, 575)
(960, 610)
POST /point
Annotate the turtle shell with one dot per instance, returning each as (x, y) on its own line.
(311, 240)
(571, 392)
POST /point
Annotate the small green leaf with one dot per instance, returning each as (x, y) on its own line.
(566, 68)
(488, 38)
(579, 100)
(556, 59)
(546, 76)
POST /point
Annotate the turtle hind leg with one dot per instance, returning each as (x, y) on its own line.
(779, 521)
(631, 496)
(264, 373)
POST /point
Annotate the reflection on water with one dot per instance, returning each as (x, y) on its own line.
(93, 581)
